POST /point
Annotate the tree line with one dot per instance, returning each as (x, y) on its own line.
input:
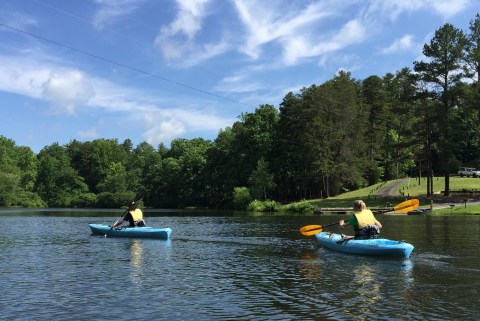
(341, 135)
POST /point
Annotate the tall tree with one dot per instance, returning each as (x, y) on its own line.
(289, 166)
(472, 123)
(378, 123)
(400, 90)
(446, 53)
(337, 135)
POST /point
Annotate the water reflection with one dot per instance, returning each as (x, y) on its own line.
(407, 269)
(234, 269)
(136, 249)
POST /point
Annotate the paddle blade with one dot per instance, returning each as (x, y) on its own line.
(407, 206)
(311, 230)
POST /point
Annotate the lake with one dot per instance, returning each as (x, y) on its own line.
(224, 267)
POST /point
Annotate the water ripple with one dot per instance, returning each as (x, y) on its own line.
(224, 268)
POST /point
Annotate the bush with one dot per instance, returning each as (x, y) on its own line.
(300, 207)
(241, 198)
(28, 199)
(263, 206)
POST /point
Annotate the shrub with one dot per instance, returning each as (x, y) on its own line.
(241, 198)
(28, 199)
(263, 206)
(300, 207)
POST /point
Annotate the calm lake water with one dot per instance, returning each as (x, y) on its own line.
(233, 268)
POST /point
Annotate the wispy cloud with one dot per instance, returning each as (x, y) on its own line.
(90, 133)
(393, 8)
(298, 30)
(267, 23)
(71, 92)
(17, 20)
(112, 10)
(176, 41)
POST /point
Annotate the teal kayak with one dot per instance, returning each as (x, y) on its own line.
(135, 232)
(377, 247)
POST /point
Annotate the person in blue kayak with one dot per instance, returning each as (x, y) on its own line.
(134, 217)
(364, 223)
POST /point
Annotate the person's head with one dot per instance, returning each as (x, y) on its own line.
(132, 207)
(359, 205)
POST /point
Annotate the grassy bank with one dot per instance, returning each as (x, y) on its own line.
(418, 188)
(412, 188)
(458, 209)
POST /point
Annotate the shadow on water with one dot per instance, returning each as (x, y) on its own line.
(149, 212)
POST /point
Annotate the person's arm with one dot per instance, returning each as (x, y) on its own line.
(119, 223)
(377, 223)
(343, 223)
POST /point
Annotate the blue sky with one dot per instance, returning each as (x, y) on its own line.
(155, 70)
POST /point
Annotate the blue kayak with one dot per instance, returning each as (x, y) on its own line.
(135, 232)
(378, 247)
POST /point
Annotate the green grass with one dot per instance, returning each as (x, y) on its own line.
(411, 189)
(414, 189)
(458, 210)
(346, 200)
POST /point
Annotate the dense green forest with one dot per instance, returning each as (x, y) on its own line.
(327, 139)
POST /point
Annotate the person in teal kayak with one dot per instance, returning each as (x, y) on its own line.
(364, 223)
(134, 217)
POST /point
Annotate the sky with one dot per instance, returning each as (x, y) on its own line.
(157, 70)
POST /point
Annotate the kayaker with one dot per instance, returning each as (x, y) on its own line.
(134, 216)
(364, 223)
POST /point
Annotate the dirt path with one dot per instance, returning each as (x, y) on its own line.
(391, 189)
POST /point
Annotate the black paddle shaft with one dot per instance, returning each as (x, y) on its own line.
(331, 224)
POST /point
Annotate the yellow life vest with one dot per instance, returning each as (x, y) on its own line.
(137, 215)
(364, 218)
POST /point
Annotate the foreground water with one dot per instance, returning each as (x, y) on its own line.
(233, 268)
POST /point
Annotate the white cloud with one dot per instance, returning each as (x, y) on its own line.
(177, 40)
(22, 77)
(71, 91)
(402, 44)
(449, 8)
(111, 10)
(287, 32)
(163, 125)
(67, 89)
(351, 33)
(266, 23)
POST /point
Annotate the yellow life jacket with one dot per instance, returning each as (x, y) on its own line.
(137, 215)
(364, 218)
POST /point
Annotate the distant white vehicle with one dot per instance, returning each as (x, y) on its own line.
(468, 171)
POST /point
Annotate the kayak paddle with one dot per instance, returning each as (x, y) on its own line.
(137, 198)
(314, 229)
(403, 207)
(407, 206)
